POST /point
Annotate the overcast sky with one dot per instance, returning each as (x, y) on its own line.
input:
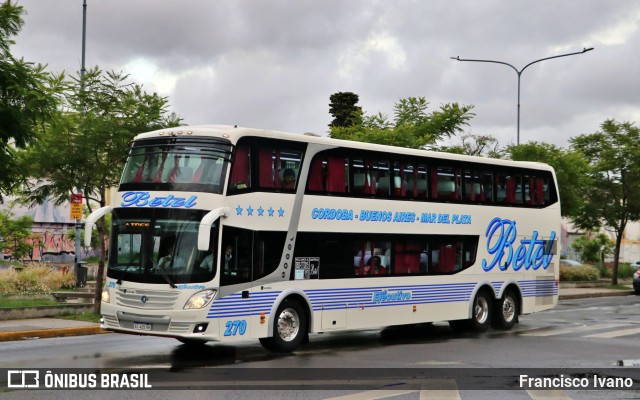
(273, 64)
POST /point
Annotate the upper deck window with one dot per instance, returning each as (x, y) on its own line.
(337, 172)
(176, 164)
(269, 165)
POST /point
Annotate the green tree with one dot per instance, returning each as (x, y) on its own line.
(27, 97)
(476, 145)
(611, 197)
(344, 110)
(412, 127)
(570, 167)
(14, 233)
(83, 149)
(593, 250)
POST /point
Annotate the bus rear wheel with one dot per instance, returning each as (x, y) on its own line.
(289, 329)
(506, 311)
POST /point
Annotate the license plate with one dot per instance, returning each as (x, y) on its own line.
(142, 326)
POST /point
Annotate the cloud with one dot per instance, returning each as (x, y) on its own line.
(274, 64)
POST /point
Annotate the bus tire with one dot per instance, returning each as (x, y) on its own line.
(481, 312)
(505, 313)
(289, 327)
(460, 325)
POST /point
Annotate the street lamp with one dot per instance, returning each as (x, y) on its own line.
(519, 72)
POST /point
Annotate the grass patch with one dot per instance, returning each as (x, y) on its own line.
(15, 303)
(617, 287)
(87, 317)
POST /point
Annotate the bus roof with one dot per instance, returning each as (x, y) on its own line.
(234, 133)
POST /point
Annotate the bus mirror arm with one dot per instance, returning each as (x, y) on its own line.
(91, 221)
(204, 231)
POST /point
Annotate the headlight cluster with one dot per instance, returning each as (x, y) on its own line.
(105, 296)
(200, 299)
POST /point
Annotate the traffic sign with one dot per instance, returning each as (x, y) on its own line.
(76, 206)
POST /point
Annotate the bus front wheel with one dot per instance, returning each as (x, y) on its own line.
(289, 329)
(480, 315)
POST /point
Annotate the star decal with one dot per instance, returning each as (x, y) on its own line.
(240, 211)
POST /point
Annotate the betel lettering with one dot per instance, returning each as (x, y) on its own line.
(144, 199)
(530, 254)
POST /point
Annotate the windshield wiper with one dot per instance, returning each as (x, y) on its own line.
(119, 281)
(165, 276)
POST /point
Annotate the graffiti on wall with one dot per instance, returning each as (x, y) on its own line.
(47, 244)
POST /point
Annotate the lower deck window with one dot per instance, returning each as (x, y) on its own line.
(366, 255)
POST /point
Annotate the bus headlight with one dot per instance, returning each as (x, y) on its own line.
(105, 295)
(200, 300)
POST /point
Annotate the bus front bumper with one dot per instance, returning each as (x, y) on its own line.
(176, 324)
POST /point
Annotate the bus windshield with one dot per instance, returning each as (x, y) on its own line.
(189, 164)
(160, 246)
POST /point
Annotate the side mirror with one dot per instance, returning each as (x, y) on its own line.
(91, 221)
(204, 231)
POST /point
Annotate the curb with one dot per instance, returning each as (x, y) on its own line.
(595, 294)
(48, 333)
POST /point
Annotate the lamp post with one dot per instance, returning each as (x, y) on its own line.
(78, 225)
(519, 72)
(84, 37)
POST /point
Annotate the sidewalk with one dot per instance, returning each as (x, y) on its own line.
(54, 327)
(584, 293)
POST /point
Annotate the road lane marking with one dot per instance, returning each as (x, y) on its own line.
(613, 334)
(372, 394)
(548, 395)
(439, 389)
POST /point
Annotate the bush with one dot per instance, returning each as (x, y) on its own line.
(625, 271)
(604, 271)
(31, 279)
(8, 279)
(60, 280)
(35, 278)
(575, 274)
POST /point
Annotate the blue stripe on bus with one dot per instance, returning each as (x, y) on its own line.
(349, 298)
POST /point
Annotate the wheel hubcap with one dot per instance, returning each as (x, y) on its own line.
(288, 324)
(481, 311)
(508, 309)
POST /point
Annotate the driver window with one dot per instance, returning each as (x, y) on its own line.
(235, 256)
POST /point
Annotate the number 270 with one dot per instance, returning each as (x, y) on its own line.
(235, 327)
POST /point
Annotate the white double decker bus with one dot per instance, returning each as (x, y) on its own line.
(222, 233)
